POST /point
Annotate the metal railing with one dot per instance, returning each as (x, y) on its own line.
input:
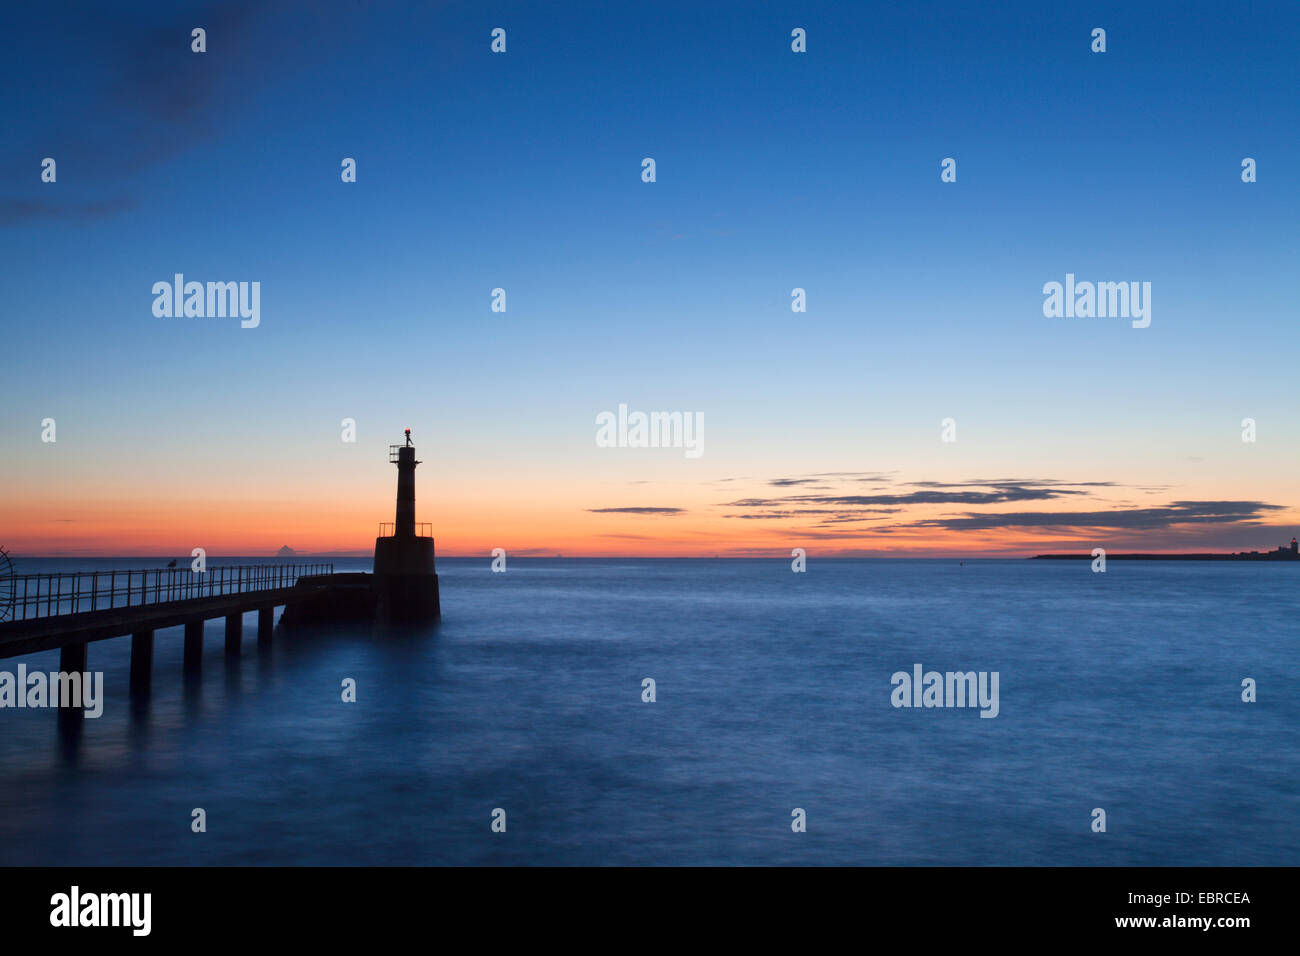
(395, 453)
(74, 592)
(423, 529)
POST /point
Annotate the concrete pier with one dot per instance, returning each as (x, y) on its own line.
(70, 610)
(151, 600)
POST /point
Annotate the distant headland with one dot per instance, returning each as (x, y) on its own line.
(1287, 552)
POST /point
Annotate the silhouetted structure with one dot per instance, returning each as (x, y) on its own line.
(404, 585)
(1287, 552)
(406, 581)
(69, 610)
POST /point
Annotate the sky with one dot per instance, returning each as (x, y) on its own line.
(774, 170)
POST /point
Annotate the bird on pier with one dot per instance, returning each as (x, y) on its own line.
(171, 563)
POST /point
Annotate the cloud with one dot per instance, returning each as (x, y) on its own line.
(637, 511)
(1012, 482)
(869, 476)
(999, 495)
(135, 96)
(834, 514)
(13, 211)
(1143, 519)
(860, 515)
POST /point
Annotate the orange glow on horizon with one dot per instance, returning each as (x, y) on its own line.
(472, 526)
(333, 503)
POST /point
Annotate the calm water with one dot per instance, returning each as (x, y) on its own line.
(1117, 690)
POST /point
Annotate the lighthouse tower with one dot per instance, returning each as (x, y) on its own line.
(406, 582)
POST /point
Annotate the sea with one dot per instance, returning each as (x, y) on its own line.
(520, 730)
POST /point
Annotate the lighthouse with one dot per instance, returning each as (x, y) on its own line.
(406, 581)
(404, 457)
(404, 586)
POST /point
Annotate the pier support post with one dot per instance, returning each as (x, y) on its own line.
(265, 625)
(72, 658)
(141, 661)
(234, 633)
(193, 647)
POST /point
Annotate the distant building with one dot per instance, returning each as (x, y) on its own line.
(1286, 552)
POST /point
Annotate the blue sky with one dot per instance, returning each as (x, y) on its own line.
(774, 170)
